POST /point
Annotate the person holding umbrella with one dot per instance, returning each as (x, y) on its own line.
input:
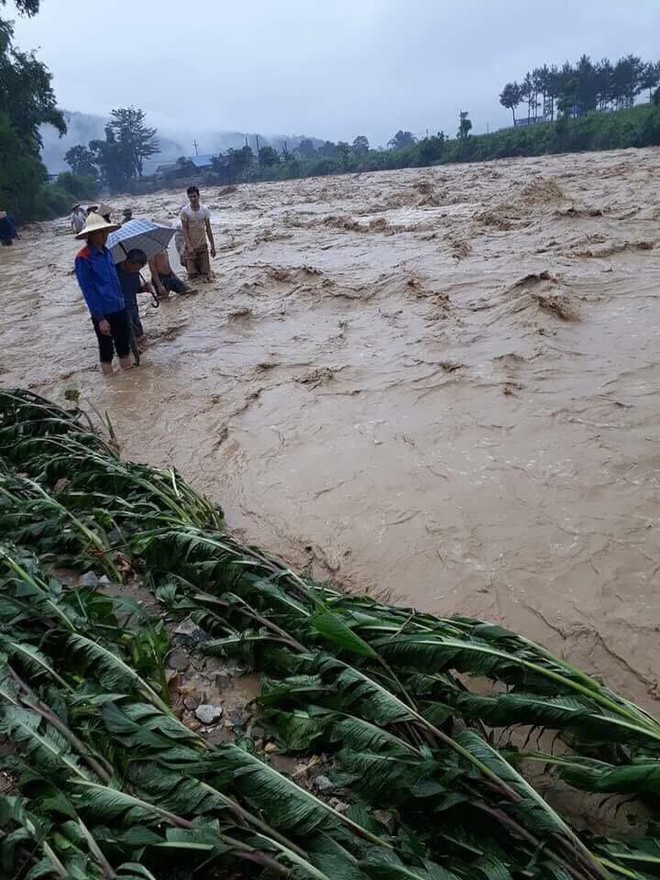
(149, 238)
(99, 283)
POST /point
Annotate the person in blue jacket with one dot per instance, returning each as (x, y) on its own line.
(99, 282)
(8, 231)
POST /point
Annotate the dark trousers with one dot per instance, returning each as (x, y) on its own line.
(134, 315)
(172, 283)
(119, 340)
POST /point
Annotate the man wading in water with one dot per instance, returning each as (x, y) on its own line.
(196, 225)
(99, 282)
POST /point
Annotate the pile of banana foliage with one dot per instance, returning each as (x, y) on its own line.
(103, 780)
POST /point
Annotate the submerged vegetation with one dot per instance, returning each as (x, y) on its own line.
(433, 774)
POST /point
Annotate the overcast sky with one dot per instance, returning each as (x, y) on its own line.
(328, 68)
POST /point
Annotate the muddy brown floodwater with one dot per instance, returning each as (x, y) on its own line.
(440, 385)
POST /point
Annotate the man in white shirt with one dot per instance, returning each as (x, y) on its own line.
(196, 227)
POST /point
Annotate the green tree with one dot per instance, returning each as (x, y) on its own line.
(243, 160)
(344, 154)
(586, 86)
(77, 187)
(511, 97)
(306, 149)
(128, 142)
(328, 150)
(25, 7)
(81, 161)
(402, 140)
(552, 89)
(431, 149)
(465, 126)
(27, 101)
(527, 94)
(114, 159)
(268, 157)
(650, 78)
(628, 74)
(138, 141)
(360, 145)
(604, 83)
(234, 165)
(22, 174)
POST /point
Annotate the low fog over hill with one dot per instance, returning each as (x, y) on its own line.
(84, 127)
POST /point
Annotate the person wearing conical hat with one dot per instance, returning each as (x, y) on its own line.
(77, 218)
(104, 210)
(99, 283)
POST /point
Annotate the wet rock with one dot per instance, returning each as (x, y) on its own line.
(178, 660)
(223, 674)
(324, 784)
(89, 579)
(237, 718)
(191, 703)
(188, 633)
(104, 581)
(208, 714)
(270, 748)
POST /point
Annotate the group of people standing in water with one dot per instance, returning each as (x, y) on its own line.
(111, 290)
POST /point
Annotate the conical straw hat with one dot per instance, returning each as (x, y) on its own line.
(96, 223)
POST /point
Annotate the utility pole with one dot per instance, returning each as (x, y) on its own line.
(196, 145)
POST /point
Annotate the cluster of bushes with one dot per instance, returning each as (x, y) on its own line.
(55, 199)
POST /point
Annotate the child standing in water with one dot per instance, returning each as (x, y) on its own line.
(131, 284)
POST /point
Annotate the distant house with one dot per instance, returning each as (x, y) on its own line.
(524, 121)
(202, 163)
(189, 165)
(168, 168)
